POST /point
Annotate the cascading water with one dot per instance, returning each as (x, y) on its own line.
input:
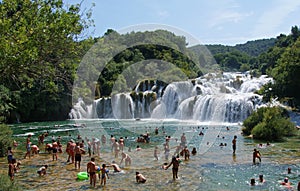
(227, 97)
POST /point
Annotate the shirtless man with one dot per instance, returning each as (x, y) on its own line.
(175, 163)
(116, 148)
(91, 170)
(54, 150)
(140, 178)
(121, 143)
(112, 141)
(72, 150)
(127, 159)
(78, 151)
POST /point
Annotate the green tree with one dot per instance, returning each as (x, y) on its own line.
(269, 123)
(286, 74)
(39, 54)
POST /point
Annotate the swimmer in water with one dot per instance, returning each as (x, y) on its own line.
(115, 166)
(252, 182)
(140, 178)
(261, 178)
(286, 183)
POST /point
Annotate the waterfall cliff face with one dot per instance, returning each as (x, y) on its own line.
(227, 97)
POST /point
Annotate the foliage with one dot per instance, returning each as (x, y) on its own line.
(251, 48)
(5, 103)
(163, 56)
(6, 184)
(286, 73)
(283, 64)
(256, 47)
(39, 54)
(232, 61)
(5, 139)
(269, 123)
(241, 57)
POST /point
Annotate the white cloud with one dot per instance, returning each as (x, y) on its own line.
(226, 16)
(271, 19)
(163, 14)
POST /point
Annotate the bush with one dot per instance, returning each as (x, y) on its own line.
(5, 139)
(269, 123)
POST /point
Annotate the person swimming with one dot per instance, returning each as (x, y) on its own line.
(140, 178)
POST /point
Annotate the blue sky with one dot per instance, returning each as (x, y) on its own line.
(227, 22)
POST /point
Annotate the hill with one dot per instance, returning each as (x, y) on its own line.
(251, 48)
(240, 57)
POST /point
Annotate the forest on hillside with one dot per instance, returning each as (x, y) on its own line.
(42, 44)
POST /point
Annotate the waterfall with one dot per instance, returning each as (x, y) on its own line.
(226, 97)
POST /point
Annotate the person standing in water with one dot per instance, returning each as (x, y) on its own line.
(126, 158)
(28, 147)
(234, 144)
(104, 173)
(156, 152)
(91, 170)
(256, 154)
(11, 170)
(10, 154)
(175, 163)
(78, 152)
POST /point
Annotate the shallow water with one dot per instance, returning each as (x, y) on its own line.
(213, 168)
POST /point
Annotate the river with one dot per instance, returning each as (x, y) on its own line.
(214, 167)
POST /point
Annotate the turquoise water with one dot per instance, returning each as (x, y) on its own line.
(212, 168)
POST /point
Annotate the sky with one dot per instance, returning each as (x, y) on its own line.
(227, 22)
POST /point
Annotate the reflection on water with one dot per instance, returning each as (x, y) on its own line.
(212, 168)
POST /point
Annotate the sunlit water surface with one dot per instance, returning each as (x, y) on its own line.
(212, 168)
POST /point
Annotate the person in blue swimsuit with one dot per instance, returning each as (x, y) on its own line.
(28, 146)
(104, 173)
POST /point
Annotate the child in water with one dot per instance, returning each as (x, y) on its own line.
(43, 170)
(104, 173)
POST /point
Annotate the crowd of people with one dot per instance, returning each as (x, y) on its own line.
(77, 149)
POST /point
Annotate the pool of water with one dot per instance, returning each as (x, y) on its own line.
(212, 168)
